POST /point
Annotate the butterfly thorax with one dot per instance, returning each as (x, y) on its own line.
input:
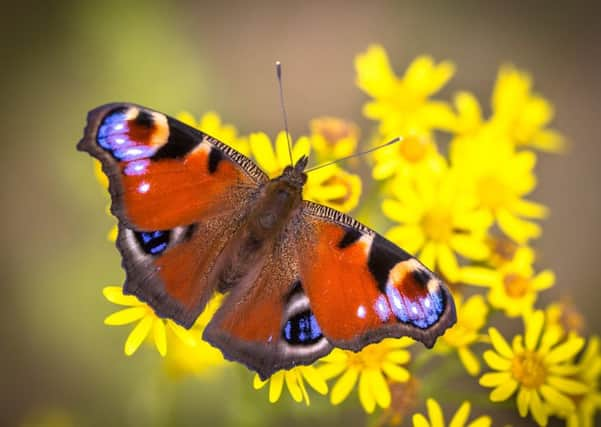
(277, 201)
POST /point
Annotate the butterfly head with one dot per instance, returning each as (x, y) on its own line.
(295, 175)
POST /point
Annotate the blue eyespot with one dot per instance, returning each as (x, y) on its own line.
(302, 329)
(114, 136)
(153, 242)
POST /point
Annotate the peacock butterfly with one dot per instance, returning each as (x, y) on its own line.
(197, 217)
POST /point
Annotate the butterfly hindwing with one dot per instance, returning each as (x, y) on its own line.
(266, 321)
(363, 288)
(177, 194)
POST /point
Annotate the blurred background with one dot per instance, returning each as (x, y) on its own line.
(59, 365)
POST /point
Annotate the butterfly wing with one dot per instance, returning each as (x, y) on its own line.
(178, 195)
(266, 322)
(362, 288)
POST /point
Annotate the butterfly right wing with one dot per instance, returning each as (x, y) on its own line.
(362, 288)
(179, 196)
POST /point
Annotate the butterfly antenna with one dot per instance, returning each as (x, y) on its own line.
(323, 165)
(278, 71)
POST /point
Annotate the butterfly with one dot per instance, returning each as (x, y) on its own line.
(196, 217)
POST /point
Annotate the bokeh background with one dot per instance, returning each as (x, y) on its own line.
(58, 363)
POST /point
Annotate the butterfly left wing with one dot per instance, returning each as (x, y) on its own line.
(362, 288)
(179, 196)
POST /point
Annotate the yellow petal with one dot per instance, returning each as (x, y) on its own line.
(331, 370)
(276, 384)
(435, 413)
(469, 360)
(258, 383)
(138, 335)
(366, 396)
(125, 316)
(262, 151)
(379, 387)
(544, 280)
(530, 209)
(523, 401)
(315, 379)
(504, 391)
(565, 351)
(115, 295)
(395, 372)
(447, 262)
(343, 386)
(495, 361)
(291, 378)
(301, 148)
(469, 246)
(461, 416)
(400, 357)
(567, 385)
(281, 150)
(160, 337)
(539, 411)
(534, 327)
(479, 276)
(420, 421)
(494, 379)
(556, 399)
(428, 255)
(519, 230)
(499, 343)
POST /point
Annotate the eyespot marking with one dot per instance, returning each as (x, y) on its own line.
(302, 329)
(153, 242)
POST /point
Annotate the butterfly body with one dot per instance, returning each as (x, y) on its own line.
(198, 218)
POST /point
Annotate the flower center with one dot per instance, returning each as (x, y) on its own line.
(528, 368)
(516, 285)
(492, 192)
(414, 148)
(438, 225)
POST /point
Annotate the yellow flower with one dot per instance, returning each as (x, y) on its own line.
(588, 403)
(333, 138)
(500, 177)
(403, 105)
(436, 220)
(334, 187)
(295, 382)
(537, 366)
(330, 186)
(211, 124)
(458, 420)
(516, 286)
(149, 325)
(413, 155)
(522, 114)
(373, 366)
(471, 317)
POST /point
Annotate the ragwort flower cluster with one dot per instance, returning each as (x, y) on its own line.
(455, 192)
